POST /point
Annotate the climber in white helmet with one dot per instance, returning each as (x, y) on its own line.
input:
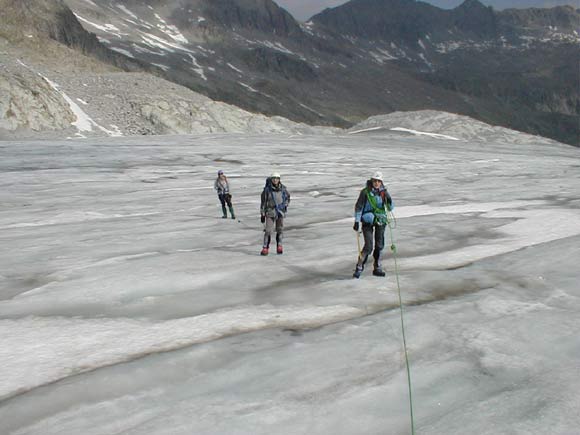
(273, 209)
(370, 213)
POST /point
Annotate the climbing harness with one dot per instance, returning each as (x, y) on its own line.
(392, 224)
(379, 212)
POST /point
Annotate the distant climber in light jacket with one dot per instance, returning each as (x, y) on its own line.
(222, 186)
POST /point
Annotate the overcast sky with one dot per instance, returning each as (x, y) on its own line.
(304, 9)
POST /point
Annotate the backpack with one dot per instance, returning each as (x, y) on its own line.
(280, 208)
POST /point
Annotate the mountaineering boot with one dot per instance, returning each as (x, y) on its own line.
(357, 271)
(264, 251)
(279, 249)
(232, 212)
(377, 266)
(377, 271)
(225, 213)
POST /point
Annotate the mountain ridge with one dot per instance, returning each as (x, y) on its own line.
(251, 53)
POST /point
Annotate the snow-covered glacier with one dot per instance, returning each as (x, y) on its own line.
(128, 306)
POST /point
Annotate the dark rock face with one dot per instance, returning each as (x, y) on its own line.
(261, 15)
(408, 20)
(270, 61)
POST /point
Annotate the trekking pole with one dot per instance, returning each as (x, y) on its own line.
(358, 244)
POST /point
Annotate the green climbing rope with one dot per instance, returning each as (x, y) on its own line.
(392, 223)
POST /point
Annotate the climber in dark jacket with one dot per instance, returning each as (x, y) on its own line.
(273, 207)
(371, 211)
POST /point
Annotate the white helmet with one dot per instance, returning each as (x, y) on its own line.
(275, 175)
(378, 175)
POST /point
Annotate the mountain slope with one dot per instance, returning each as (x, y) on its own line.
(364, 58)
(54, 20)
(253, 54)
(524, 61)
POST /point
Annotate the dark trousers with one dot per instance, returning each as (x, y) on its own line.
(372, 233)
(226, 198)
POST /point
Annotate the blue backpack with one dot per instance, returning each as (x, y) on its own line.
(280, 208)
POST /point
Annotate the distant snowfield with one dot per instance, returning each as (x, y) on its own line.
(444, 125)
(127, 305)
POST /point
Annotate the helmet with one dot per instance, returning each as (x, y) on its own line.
(378, 175)
(275, 175)
(220, 172)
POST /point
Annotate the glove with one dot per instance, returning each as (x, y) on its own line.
(355, 226)
(263, 218)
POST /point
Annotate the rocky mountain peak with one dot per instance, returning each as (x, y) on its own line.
(474, 5)
(475, 19)
(393, 20)
(262, 15)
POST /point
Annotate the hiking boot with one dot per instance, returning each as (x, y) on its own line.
(264, 251)
(279, 249)
(379, 272)
(357, 272)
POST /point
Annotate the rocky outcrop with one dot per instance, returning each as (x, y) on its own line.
(53, 19)
(183, 117)
(120, 103)
(28, 102)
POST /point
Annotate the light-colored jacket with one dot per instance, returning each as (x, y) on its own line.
(222, 187)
